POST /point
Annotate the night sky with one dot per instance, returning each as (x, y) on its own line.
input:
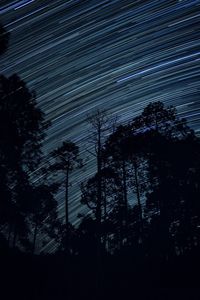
(118, 55)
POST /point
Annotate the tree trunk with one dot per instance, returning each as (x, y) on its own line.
(120, 236)
(9, 233)
(138, 199)
(99, 188)
(34, 237)
(67, 209)
(66, 198)
(125, 206)
(98, 214)
(14, 237)
(105, 214)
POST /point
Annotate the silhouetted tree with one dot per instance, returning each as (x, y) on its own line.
(5, 194)
(87, 241)
(22, 128)
(124, 154)
(145, 157)
(43, 211)
(101, 125)
(66, 160)
(117, 160)
(166, 139)
(89, 193)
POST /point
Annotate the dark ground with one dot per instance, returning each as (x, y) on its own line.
(36, 277)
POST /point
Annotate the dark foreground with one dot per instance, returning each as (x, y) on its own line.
(28, 277)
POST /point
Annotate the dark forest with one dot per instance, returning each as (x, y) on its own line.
(141, 234)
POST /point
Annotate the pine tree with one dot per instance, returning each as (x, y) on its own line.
(65, 160)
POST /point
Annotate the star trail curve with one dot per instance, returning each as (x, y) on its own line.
(119, 55)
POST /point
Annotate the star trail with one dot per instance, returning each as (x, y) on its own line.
(118, 55)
